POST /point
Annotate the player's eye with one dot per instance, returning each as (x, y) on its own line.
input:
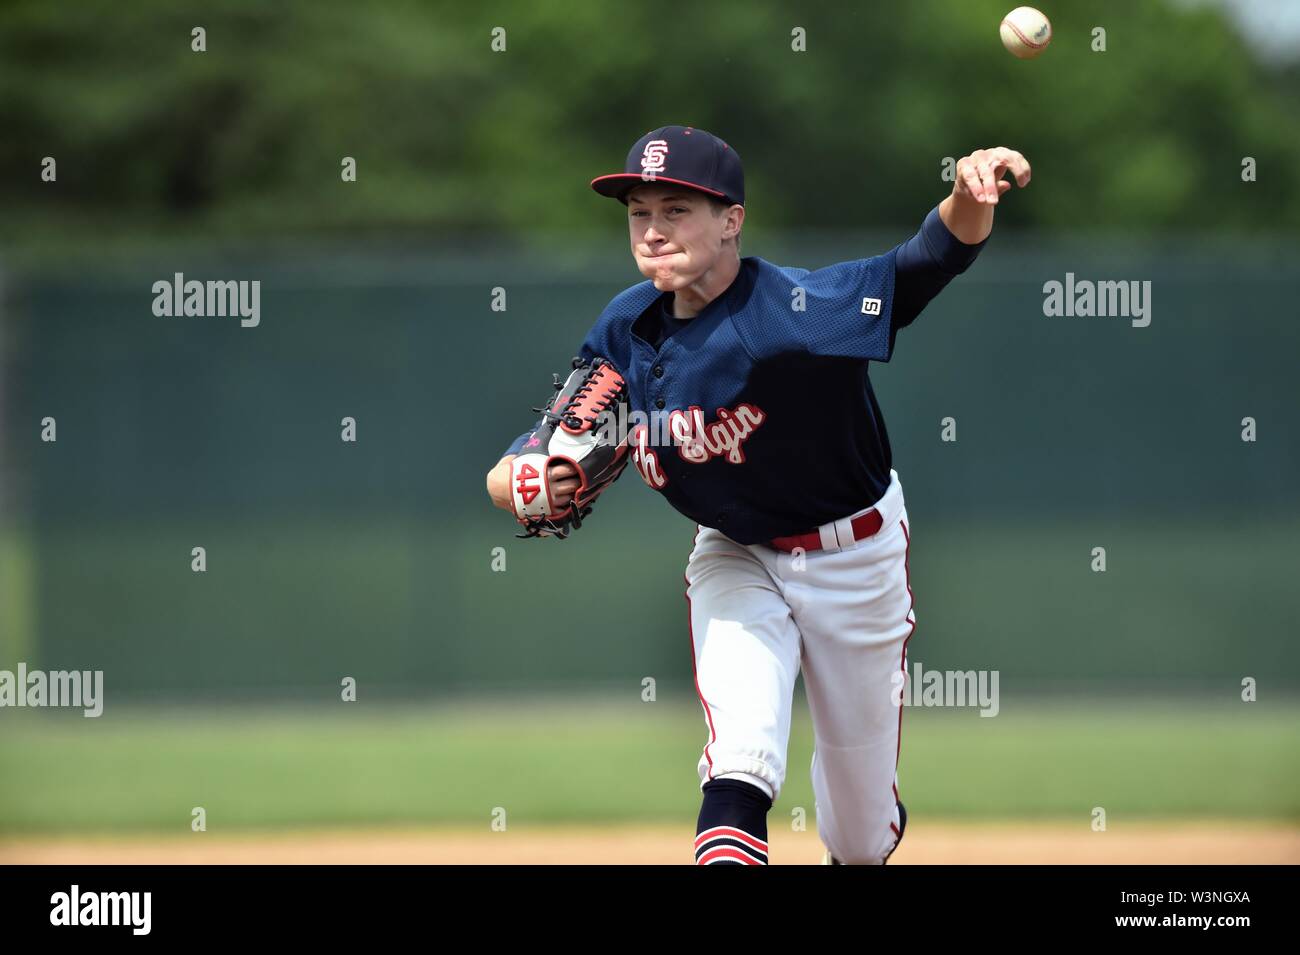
(641, 213)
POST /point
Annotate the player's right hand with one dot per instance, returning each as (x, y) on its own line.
(564, 483)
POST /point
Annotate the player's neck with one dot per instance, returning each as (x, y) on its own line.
(690, 300)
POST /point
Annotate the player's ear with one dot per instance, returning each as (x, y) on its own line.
(736, 214)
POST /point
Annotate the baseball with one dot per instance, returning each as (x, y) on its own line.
(1025, 32)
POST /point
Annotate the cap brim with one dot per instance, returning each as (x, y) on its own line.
(619, 184)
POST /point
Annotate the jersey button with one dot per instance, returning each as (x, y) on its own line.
(659, 371)
(659, 402)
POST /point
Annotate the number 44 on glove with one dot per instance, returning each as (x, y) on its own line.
(583, 427)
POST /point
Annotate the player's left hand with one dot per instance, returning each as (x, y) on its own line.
(979, 175)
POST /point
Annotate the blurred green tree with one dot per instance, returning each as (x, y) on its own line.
(454, 137)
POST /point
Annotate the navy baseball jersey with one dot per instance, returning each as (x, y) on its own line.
(757, 416)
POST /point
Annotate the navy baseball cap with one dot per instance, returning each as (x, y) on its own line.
(679, 156)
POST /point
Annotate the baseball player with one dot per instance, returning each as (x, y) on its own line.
(755, 418)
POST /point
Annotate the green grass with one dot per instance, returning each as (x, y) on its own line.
(144, 769)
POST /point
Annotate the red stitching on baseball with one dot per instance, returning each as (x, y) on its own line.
(1024, 39)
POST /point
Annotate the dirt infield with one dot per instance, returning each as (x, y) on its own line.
(1182, 843)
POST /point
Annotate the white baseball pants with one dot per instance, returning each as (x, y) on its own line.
(841, 615)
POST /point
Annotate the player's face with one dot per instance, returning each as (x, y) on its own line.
(676, 238)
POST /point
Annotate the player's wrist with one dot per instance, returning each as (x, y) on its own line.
(970, 222)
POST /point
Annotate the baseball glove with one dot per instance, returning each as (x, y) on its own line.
(584, 426)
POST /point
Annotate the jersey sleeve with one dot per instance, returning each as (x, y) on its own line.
(840, 311)
(924, 264)
(518, 444)
(854, 309)
(597, 344)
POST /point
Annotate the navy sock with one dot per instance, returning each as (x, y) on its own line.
(732, 828)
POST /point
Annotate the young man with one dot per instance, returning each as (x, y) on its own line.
(765, 431)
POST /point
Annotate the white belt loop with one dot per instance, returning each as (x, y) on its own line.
(844, 531)
(829, 540)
